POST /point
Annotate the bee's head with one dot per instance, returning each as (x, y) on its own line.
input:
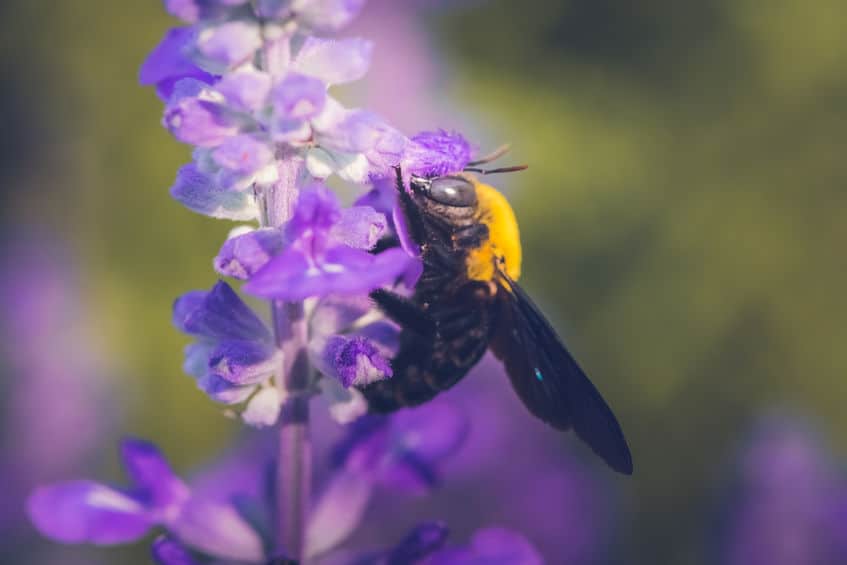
(452, 197)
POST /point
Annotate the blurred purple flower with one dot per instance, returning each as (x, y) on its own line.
(168, 63)
(315, 264)
(90, 512)
(788, 500)
(354, 361)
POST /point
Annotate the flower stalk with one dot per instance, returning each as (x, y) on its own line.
(293, 471)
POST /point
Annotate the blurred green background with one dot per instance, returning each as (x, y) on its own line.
(684, 214)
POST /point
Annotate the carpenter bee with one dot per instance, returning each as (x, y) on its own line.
(467, 300)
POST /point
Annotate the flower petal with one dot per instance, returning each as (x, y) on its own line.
(298, 97)
(354, 361)
(317, 210)
(360, 227)
(241, 256)
(344, 270)
(220, 314)
(200, 193)
(227, 45)
(345, 404)
(422, 541)
(263, 409)
(223, 391)
(167, 63)
(149, 470)
(85, 511)
(167, 551)
(218, 530)
(334, 61)
(195, 114)
(492, 546)
(435, 153)
(243, 154)
(337, 512)
(245, 90)
(326, 15)
(242, 362)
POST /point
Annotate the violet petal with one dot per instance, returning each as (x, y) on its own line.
(242, 362)
(149, 470)
(221, 314)
(85, 511)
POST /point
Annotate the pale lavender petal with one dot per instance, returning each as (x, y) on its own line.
(360, 227)
(191, 11)
(227, 45)
(149, 470)
(298, 97)
(242, 362)
(200, 193)
(334, 61)
(363, 132)
(218, 530)
(243, 255)
(245, 90)
(221, 314)
(243, 154)
(345, 404)
(194, 116)
(338, 511)
(434, 153)
(87, 512)
(167, 551)
(326, 15)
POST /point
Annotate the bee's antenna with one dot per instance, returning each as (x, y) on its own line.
(500, 170)
(493, 156)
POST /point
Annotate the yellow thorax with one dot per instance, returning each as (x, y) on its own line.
(503, 247)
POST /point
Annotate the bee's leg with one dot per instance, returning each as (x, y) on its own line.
(409, 211)
(405, 312)
(470, 237)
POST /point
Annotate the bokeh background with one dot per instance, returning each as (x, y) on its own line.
(684, 219)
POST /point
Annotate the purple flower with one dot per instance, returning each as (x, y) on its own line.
(200, 193)
(314, 264)
(223, 47)
(90, 512)
(354, 361)
(191, 11)
(489, 546)
(234, 355)
(168, 63)
(789, 497)
(433, 153)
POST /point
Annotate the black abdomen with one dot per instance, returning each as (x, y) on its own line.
(428, 364)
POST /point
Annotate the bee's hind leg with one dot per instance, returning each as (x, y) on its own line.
(405, 312)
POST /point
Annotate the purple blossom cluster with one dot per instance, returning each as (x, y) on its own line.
(225, 516)
(247, 84)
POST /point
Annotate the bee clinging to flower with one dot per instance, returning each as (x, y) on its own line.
(467, 300)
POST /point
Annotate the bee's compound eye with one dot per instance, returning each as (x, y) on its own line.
(452, 191)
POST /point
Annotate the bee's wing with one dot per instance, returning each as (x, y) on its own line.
(550, 382)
